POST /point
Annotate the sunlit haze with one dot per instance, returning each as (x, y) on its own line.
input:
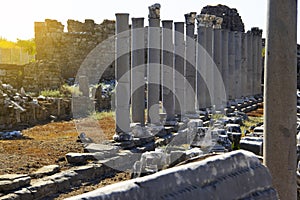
(17, 17)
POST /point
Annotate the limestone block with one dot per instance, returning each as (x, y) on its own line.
(45, 171)
(13, 181)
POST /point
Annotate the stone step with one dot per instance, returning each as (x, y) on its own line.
(10, 182)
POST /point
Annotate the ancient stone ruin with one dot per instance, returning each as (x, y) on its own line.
(218, 70)
(69, 49)
(231, 19)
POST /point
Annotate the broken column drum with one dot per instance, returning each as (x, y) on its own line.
(153, 68)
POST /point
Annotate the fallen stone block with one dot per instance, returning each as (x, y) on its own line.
(45, 171)
(79, 158)
(10, 182)
(94, 147)
(234, 175)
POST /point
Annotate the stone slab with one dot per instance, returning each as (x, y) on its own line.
(46, 171)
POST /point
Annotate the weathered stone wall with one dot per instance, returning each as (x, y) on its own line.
(69, 49)
(231, 18)
(12, 74)
(33, 77)
(19, 110)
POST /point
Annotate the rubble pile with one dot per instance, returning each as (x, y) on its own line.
(19, 110)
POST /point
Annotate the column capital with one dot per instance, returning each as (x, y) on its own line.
(154, 11)
(256, 31)
(190, 18)
(209, 21)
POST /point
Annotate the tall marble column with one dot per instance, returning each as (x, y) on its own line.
(168, 69)
(250, 68)
(200, 63)
(231, 61)
(190, 63)
(259, 63)
(179, 68)
(238, 64)
(217, 58)
(153, 69)
(209, 77)
(244, 66)
(254, 60)
(280, 114)
(122, 68)
(138, 71)
(225, 63)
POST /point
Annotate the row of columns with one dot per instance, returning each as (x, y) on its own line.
(191, 71)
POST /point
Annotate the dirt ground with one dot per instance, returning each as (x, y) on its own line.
(45, 145)
(48, 144)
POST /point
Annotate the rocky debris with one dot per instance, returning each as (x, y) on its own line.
(45, 171)
(93, 152)
(20, 110)
(231, 18)
(60, 182)
(10, 135)
(80, 158)
(10, 182)
(209, 179)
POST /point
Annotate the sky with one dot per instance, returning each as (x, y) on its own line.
(17, 17)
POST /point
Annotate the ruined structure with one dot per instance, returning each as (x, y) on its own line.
(231, 18)
(69, 49)
(33, 77)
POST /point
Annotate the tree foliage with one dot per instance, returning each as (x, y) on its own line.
(26, 45)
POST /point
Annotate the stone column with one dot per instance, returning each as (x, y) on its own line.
(250, 72)
(190, 63)
(122, 68)
(254, 61)
(280, 96)
(225, 64)
(217, 58)
(138, 71)
(168, 69)
(153, 69)
(238, 64)
(231, 61)
(244, 72)
(179, 68)
(209, 78)
(259, 63)
(200, 63)
(84, 85)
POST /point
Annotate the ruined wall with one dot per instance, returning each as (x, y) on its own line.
(231, 18)
(19, 110)
(12, 74)
(69, 49)
(33, 77)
